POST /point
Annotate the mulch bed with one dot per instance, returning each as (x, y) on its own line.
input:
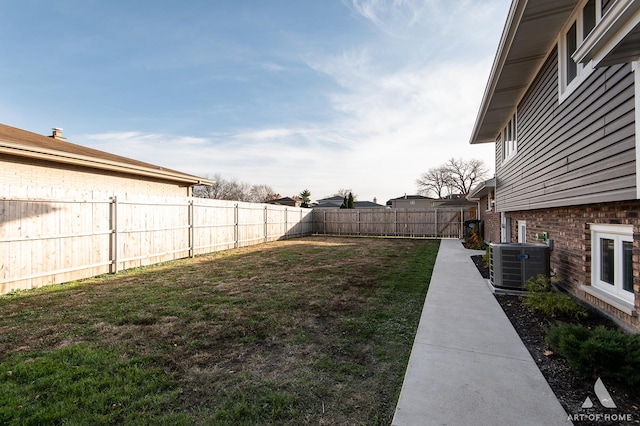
(570, 388)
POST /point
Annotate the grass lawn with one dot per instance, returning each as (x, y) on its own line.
(307, 331)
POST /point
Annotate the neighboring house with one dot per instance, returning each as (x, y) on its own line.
(69, 212)
(562, 106)
(330, 202)
(484, 195)
(367, 205)
(336, 201)
(48, 166)
(285, 201)
(468, 209)
(411, 202)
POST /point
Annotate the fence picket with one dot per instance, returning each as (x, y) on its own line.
(45, 241)
(115, 234)
(434, 223)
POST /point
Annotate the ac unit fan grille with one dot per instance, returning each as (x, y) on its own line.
(512, 264)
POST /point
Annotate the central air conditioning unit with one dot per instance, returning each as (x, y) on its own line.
(512, 264)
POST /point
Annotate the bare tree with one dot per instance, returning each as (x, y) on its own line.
(456, 175)
(435, 181)
(210, 191)
(262, 193)
(466, 174)
(233, 189)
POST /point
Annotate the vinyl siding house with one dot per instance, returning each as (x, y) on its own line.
(412, 202)
(285, 201)
(562, 106)
(69, 212)
(484, 195)
(336, 201)
(38, 166)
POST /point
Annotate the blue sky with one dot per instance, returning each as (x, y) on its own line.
(295, 94)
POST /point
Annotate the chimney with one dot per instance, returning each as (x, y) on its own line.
(57, 134)
(375, 200)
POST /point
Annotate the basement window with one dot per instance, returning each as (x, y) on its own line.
(612, 260)
(583, 21)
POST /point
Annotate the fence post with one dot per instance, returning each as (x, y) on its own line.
(324, 221)
(437, 236)
(461, 223)
(266, 223)
(236, 230)
(114, 235)
(395, 222)
(192, 243)
(358, 221)
(286, 222)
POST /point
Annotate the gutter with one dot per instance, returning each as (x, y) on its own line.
(92, 162)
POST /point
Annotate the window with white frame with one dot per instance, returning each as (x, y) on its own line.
(583, 21)
(491, 201)
(510, 139)
(522, 231)
(612, 260)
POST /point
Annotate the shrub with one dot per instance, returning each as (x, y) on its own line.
(474, 241)
(543, 297)
(602, 352)
(487, 257)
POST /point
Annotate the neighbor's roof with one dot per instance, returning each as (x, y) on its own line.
(335, 198)
(367, 205)
(409, 197)
(531, 30)
(23, 143)
(457, 202)
(482, 189)
(413, 197)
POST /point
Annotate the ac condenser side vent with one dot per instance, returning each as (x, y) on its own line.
(512, 264)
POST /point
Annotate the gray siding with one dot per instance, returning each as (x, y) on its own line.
(606, 5)
(579, 152)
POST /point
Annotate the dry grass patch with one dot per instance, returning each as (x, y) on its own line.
(306, 331)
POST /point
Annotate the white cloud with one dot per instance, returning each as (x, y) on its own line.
(400, 105)
(393, 17)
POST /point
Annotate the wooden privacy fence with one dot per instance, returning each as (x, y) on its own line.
(46, 241)
(436, 222)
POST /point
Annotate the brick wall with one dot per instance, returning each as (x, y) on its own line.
(569, 229)
(491, 221)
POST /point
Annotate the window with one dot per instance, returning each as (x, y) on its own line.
(522, 231)
(612, 260)
(510, 139)
(572, 46)
(505, 230)
(578, 28)
(491, 201)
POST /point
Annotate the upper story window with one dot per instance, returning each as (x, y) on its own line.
(510, 139)
(578, 28)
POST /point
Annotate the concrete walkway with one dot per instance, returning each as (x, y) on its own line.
(468, 365)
